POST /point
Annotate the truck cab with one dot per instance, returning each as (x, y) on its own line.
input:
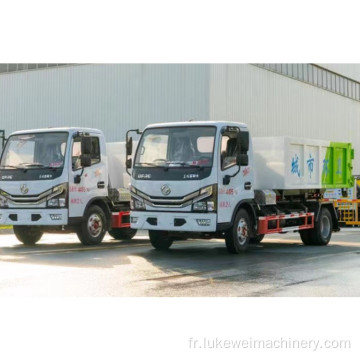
(190, 177)
(57, 180)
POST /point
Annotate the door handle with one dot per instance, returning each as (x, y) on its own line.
(101, 185)
(247, 185)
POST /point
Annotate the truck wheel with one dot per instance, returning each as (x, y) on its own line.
(122, 234)
(305, 237)
(323, 228)
(160, 240)
(28, 235)
(320, 235)
(237, 238)
(257, 239)
(93, 228)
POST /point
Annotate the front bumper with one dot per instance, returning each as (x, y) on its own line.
(34, 217)
(174, 221)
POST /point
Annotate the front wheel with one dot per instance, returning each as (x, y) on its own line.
(160, 240)
(93, 227)
(122, 233)
(28, 235)
(238, 237)
(257, 239)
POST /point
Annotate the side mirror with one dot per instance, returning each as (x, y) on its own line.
(86, 145)
(226, 180)
(244, 141)
(129, 146)
(243, 160)
(128, 163)
(85, 160)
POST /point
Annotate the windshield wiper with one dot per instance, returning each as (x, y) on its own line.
(52, 167)
(183, 164)
(195, 166)
(8, 166)
(31, 165)
(146, 163)
(26, 166)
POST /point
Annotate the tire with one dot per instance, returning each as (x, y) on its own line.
(122, 233)
(320, 235)
(93, 228)
(237, 238)
(305, 237)
(257, 239)
(160, 240)
(28, 235)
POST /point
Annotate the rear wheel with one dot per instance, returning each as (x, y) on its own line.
(320, 235)
(237, 238)
(93, 227)
(28, 235)
(305, 237)
(123, 233)
(160, 240)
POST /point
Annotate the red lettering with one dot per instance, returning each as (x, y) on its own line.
(76, 201)
(246, 171)
(225, 204)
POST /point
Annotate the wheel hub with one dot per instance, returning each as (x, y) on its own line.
(242, 231)
(325, 227)
(95, 225)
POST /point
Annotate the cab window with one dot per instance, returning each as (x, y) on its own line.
(76, 152)
(228, 150)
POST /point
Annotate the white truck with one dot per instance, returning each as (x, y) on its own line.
(210, 179)
(64, 180)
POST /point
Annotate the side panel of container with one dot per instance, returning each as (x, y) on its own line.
(337, 166)
(315, 164)
(304, 162)
(294, 163)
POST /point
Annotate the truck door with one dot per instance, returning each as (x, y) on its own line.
(239, 186)
(94, 179)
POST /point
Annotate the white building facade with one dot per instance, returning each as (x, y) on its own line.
(319, 101)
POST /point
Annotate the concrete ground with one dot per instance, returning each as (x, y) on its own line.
(280, 266)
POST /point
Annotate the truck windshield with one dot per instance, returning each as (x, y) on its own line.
(34, 151)
(190, 146)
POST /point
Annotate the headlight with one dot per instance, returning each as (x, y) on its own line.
(3, 202)
(53, 202)
(4, 199)
(211, 206)
(207, 200)
(58, 197)
(200, 206)
(136, 204)
(207, 190)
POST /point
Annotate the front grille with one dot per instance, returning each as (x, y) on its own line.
(174, 202)
(28, 200)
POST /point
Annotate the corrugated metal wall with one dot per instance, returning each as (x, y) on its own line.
(351, 71)
(116, 98)
(111, 97)
(272, 104)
